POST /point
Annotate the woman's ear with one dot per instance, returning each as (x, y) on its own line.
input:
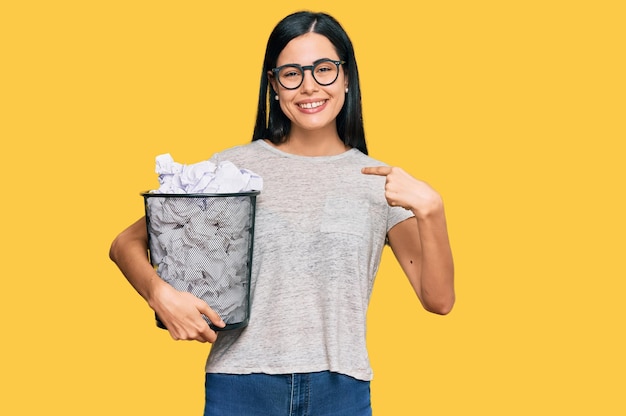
(272, 82)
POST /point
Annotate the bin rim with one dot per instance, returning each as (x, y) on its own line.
(198, 195)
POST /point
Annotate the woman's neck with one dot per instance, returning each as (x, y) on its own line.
(313, 143)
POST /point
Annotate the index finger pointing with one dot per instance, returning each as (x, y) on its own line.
(377, 170)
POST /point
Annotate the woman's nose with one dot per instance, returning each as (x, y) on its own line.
(308, 82)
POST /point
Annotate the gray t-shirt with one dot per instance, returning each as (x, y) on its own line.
(319, 233)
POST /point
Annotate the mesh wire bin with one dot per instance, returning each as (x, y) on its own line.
(202, 244)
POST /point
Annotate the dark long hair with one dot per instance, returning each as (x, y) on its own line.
(276, 126)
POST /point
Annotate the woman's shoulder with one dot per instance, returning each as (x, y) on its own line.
(237, 151)
(367, 160)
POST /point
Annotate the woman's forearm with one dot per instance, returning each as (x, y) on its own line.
(129, 252)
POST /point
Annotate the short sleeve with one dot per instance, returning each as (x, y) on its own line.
(397, 215)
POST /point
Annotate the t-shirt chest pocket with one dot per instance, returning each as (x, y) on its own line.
(347, 216)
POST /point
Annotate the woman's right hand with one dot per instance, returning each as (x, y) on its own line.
(181, 313)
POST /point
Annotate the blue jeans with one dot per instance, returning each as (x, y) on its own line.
(309, 394)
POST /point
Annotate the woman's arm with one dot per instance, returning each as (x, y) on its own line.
(181, 312)
(421, 243)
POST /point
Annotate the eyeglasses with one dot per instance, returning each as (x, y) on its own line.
(325, 72)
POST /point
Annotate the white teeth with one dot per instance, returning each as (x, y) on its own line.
(312, 105)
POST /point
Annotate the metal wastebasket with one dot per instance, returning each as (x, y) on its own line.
(203, 244)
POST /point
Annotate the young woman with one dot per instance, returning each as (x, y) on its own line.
(324, 215)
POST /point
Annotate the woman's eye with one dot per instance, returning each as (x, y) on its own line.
(290, 73)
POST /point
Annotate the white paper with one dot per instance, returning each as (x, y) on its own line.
(204, 177)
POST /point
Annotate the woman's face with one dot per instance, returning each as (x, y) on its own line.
(311, 106)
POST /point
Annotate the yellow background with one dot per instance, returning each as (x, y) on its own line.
(513, 110)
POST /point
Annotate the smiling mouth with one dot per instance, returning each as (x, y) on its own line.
(309, 106)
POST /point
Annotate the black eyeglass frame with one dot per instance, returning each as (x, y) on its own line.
(311, 68)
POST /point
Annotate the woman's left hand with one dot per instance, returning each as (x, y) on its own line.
(403, 190)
